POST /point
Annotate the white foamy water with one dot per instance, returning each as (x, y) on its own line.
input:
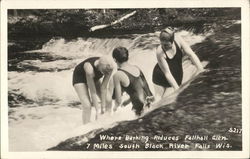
(39, 128)
(84, 48)
(52, 118)
(43, 86)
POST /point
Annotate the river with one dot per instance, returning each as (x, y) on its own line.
(44, 109)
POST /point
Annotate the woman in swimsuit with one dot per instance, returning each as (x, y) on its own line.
(129, 78)
(89, 86)
(168, 72)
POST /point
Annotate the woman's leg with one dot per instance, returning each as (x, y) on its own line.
(159, 92)
(162, 92)
(83, 94)
(168, 91)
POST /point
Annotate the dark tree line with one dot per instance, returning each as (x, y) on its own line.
(77, 22)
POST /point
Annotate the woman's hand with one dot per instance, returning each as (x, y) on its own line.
(116, 106)
(199, 70)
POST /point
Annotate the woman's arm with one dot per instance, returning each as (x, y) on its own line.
(104, 89)
(118, 90)
(91, 84)
(187, 49)
(165, 69)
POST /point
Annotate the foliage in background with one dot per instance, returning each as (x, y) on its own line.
(76, 22)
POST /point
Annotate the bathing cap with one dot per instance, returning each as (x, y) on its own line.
(106, 63)
(167, 34)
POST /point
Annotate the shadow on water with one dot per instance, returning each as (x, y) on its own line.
(211, 105)
(24, 43)
(17, 47)
(14, 60)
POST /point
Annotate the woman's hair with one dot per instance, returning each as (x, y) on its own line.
(120, 54)
(106, 63)
(167, 34)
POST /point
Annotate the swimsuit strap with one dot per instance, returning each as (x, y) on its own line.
(129, 72)
(143, 80)
(177, 51)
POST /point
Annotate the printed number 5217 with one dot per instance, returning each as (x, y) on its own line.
(235, 130)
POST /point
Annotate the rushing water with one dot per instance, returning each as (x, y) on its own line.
(43, 107)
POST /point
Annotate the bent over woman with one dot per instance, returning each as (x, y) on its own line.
(129, 78)
(91, 80)
(168, 72)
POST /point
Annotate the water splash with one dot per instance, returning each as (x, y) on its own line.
(43, 87)
(38, 128)
(83, 48)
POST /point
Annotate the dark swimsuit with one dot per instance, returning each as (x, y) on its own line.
(175, 66)
(79, 74)
(138, 90)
